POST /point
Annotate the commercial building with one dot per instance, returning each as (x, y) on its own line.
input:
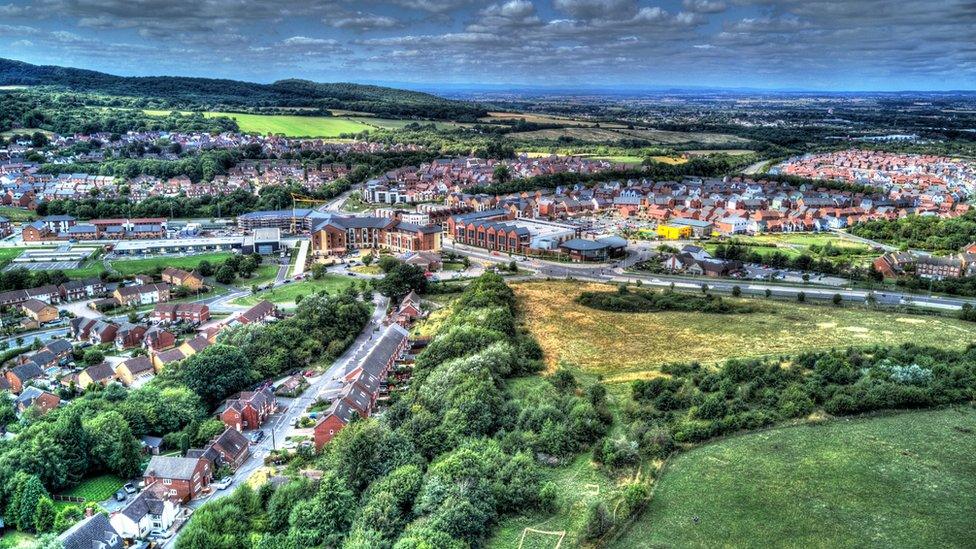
(179, 245)
(496, 230)
(336, 235)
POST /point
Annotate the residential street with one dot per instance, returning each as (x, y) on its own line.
(280, 424)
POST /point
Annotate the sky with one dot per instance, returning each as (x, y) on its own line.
(855, 45)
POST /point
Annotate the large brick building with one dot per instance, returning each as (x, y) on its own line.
(337, 235)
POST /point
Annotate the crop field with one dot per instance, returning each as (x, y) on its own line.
(627, 346)
(605, 135)
(537, 118)
(286, 294)
(902, 480)
(129, 267)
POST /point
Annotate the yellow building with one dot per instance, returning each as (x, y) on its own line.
(673, 232)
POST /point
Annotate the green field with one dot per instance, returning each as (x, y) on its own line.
(17, 215)
(627, 346)
(8, 254)
(288, 125)
(904, 480)
(262, 276)
(130, 267)
(285, 295)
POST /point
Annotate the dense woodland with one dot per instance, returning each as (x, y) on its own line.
(454, 454)
(203, 94)
(922, 232)
(696, 403)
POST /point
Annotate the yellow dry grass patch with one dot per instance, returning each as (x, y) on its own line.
(627, 346)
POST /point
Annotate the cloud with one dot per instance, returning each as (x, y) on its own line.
(364, 22)
(306, 41)
(704, 6)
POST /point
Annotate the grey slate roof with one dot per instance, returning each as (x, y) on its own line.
(95, 532)
(171, 467)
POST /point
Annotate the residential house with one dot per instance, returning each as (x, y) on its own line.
(102, 332)
(152, 509)
(19, 376)
(248, 410)
(42, 400)
(193, 346)
(157, 339)
(262, 312)
(136, 371)
(94, 532)
(181, 312)
(129, 336)
(182, 477)
(102, 374)
(81, 289)
(179, 277)
(230, 449)
(939, 268)
(142, 294)
(165, 358)
(39, 311)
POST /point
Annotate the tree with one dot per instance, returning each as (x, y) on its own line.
(205, 268)
(837, 299)
(401, 279)
(768, 293)
(801, 297)
(501, 174)
(225, 274)
(28, 493)
(66, 517)
(736, 291)
(323, 520)
(93, 356)
(44, 516)
(113, 446)
(217, 372)
(368, 259)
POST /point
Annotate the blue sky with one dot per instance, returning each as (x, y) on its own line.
(796, 44)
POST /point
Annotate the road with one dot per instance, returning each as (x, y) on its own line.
(280, 424)
(617, 273)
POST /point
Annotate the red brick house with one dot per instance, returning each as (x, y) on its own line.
(248, 410)
(183, 477)
(181, 312)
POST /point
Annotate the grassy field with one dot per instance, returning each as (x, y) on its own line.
(17, 215)
(794, 244)
(8, 254)
(904, 480)
(627, 346)
(264, 274)
(289, 125)
(612, 135)
(129, 267)
(285, 295)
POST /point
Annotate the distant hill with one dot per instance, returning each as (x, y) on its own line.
(213, 93)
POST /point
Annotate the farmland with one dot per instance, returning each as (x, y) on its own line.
(611, 135)
(627, 346)
(289, 125)
(902, 480)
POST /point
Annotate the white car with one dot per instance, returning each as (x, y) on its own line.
(224, 483)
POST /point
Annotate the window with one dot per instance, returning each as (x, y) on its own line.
(167, 481)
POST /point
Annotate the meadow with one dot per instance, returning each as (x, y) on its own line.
(286, 294)
(627, 346)
(612, 135)
(289, 125)
(902, 480)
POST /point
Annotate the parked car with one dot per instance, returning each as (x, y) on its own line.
(129, 488)
(120, 495)
(224, 483)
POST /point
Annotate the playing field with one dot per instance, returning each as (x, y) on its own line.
(904, 480)
(627, 346)
(286, 294)
(129, 267)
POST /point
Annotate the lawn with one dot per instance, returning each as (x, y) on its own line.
(129, 267)
(904, 480)
(285, 295)
(289, 125)
(96, 489)
(17, 215)
(8, 254)
(627, 346)
(264, 274)
(89, 269)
